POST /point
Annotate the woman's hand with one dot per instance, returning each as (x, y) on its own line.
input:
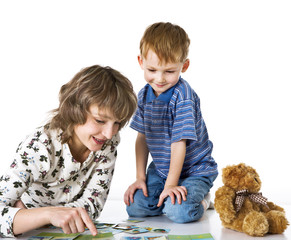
(138, 184)
(71, 220)
(179, 192)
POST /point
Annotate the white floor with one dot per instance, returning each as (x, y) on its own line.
(114, 212)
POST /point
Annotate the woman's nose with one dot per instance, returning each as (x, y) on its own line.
(108, 131)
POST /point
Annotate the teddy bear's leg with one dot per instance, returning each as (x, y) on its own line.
(277, 221)
(255, 224)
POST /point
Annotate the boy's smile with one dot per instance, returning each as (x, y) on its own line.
(160, 75)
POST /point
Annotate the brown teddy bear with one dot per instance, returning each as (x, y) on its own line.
(242, 208)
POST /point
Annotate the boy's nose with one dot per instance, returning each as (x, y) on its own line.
(160, 78)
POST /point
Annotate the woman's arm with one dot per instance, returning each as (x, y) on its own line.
(71, 220)
(74, 216)
(31, 165)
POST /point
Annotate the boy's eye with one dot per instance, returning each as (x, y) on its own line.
(170, 71)
(152, 70)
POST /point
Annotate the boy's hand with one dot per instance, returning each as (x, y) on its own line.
(179, 192)
(138, 184)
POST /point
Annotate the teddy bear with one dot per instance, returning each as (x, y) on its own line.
(243, 208)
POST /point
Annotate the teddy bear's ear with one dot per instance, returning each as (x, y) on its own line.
(232, 173)
(229, 170)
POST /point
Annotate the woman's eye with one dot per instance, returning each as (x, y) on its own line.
(99, 121)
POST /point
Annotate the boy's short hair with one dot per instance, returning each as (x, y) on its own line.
(170, 42)
(103, 86)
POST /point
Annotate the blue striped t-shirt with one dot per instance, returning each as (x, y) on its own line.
(172, 116)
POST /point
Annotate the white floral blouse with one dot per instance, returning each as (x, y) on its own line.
(44, 173)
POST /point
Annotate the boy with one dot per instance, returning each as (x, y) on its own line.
(170, 127)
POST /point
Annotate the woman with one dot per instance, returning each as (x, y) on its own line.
(61, 173)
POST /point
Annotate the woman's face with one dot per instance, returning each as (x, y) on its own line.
(99, 127)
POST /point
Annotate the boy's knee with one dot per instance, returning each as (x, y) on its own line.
(137, 210)
(183, 213)
(134, 211)
(143, 206)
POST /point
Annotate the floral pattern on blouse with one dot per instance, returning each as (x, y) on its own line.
(44, 173)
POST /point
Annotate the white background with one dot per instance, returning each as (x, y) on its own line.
(240, 66)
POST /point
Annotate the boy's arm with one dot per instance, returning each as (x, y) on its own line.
(141, 152)
(171, 189)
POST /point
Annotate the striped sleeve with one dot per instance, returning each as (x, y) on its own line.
(137, 122)
(184, 122)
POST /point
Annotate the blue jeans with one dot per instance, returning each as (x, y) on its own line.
(189, 211)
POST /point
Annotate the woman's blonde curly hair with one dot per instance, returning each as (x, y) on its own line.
(103, 86)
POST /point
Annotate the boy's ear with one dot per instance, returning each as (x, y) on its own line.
(140, 61)
(185, 65)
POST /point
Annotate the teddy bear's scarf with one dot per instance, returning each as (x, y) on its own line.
(255, 197)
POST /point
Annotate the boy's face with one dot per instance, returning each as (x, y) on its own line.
(160, 75)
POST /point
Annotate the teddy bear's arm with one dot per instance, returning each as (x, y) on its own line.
(224, 204)
(271, 206)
